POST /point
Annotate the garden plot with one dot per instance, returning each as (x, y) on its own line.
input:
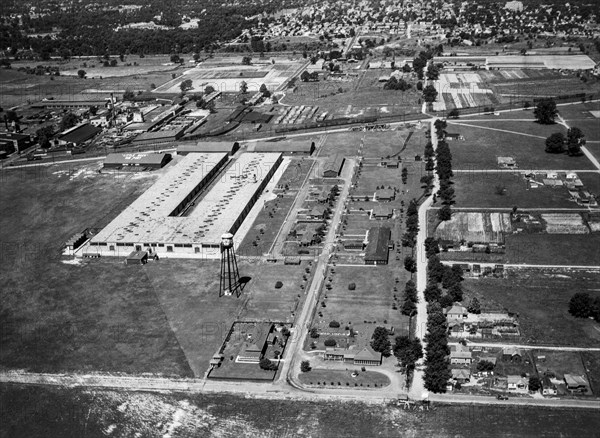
(475, 227)
(564, 223)
(460, 89)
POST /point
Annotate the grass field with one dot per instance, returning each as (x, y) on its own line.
(591, 361)
(541, 300)
(40, 412)
(98, 315)
(478, 190)
(482, 147)
(336, 379)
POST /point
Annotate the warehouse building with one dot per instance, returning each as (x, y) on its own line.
(333, 166)
(208, 147)
(288, 147)
(11, 142)
(158, 137)
(178, 217)
(78, 134)
(140, 161)
(378, 245)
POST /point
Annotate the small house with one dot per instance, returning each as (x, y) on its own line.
(507, 162)
(548, 388)
(461, 375)
(382, 212)
(318, 212)
(461, 355)
(576, 383)
(512, 354)
(367, 356)
(517, 383)
(457, 312)
(385, 195)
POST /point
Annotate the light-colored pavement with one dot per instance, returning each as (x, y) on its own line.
(417, 387)
(294, 351)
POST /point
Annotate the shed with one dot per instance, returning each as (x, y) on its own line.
(137, 258)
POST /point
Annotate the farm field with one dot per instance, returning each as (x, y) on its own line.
(541, 300)
(97, 315)
(368, 306)
(482, 147)
(553, 249)
(479, 190)
(224, 414)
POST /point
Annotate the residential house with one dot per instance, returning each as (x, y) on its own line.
(507, 162)
(457, 312)
(548, 388)
(255, 345)
(517, 383)
(460, 355)
(318, 212)
(576, 383)
(382, 212)
(512, 354)
(385, 195)
(461, 375)
(367, 356)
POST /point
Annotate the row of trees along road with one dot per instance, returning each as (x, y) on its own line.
(444, 171)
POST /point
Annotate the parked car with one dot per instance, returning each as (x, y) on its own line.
(502, 397)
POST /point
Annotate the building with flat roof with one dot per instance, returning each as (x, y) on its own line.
(303, 147)
(11, 142)
(208, 146)
(158, 137)
(177, 215)
(378, 245)
(148, 161)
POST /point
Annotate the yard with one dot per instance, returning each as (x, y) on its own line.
(369, 305)
(318, 378)
(541, 301)
(505, 191)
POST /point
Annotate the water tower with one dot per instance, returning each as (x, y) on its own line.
(230, 276)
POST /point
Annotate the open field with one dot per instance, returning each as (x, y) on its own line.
(479, 190)
(325, 378)
(482, 147)
(126, 413)
(541, 300)
(97, 315)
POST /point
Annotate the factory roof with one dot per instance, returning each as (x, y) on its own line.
(151, 218)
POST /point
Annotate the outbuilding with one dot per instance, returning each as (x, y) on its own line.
(137, 258)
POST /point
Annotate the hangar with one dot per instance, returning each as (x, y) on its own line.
(148, 161)
(177, 217)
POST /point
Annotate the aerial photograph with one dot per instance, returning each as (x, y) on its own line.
(299, 218)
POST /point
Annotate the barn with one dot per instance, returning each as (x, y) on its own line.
(333, 166)
(378, 244)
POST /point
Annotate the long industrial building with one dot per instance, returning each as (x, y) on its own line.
(168, 219)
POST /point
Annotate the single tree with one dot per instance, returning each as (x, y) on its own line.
(545, 111)
(575, 139)
(266, 364)
(474, 306)
(581, 305)
(186, 85)
(380, 341)
(429, 94)
(243, 87)
(68, 121)
(410, 265)
(453, 113)
(535, 384)
(246, 60)
(555, 144)
(305, 366)
(81, 74)
(209, 89)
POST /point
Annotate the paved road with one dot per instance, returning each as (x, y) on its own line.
(417, 388)
(291, 366)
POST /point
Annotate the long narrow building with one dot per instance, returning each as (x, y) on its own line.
(188, 210)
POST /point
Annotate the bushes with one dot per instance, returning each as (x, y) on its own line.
(305, 366)
(266, 364)
(278, 285)
(334, 324)
(314, 333)
(352, 286)
(330, 342)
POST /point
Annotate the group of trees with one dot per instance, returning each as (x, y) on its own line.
(409, 238)
(437, 364)
(409, 305)
(380, 341)
(450, 279)
(582, 305)
(396, 84)
(444, 172)
(429, 93)
(408, 352)
(306, 76)
(557, 143)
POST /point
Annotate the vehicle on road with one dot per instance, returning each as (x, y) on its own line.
(502, 397)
